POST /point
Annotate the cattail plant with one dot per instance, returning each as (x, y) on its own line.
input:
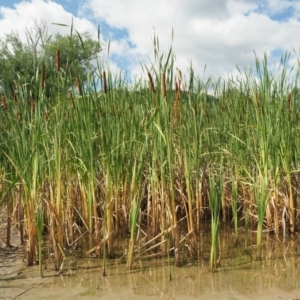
(261, 195)
(234, 201)
(39, 219)
(136, 193)
(215, 194)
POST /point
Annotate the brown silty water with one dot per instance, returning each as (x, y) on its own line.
(239, 275)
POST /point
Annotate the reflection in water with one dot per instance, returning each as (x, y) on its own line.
(238, 277)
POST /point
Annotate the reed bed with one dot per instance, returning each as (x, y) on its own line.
(150, 162)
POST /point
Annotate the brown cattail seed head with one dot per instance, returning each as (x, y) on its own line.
(179, 78)
(57, 60)
(46, 115)
(256, 99)
(19, 117)
(72, 99)
(163, 83)
(151, 83)
(32, 104)
(78, 86)
(104, 83)
(43, 76)
(4, 104)
(177, 91)
(289, 101)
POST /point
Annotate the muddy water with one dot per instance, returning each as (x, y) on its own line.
(240, 276)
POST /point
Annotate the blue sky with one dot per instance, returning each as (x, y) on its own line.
(212, 34)
(69, 5)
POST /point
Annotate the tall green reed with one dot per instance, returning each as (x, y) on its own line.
(215, 198)
(99, 157)
(39, 219)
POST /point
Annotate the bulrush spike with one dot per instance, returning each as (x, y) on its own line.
(4, 104)
(43, 76)
(163, 84)
(19, 117)
(151, 83)
(177, 98)
(113, 110)
(256, 99)
(289, 104)
(289, 101)
(57, 60)
(46, 115)
(179, 78)
(16, 89)
(177, 93)
(177, 89)
(32, 104)
(72, 99)
(104, 83)
(78, 86)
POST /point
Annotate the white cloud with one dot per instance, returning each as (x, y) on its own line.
(219, 34)
(24, 13)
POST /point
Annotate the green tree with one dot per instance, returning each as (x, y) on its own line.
(20, 61)
(16, 63)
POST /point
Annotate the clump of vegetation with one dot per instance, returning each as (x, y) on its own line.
(80, 163)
